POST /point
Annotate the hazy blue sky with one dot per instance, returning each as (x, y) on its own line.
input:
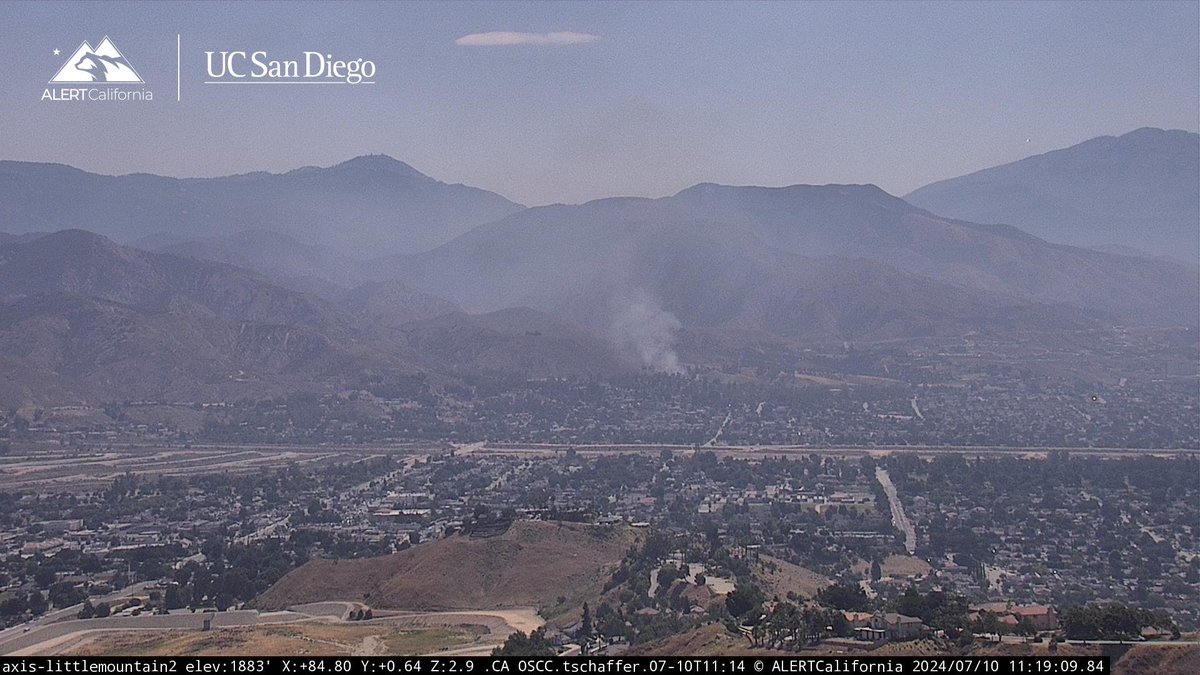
(669, 95)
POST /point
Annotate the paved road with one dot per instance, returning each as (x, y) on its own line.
(194, 621)
(68, 613)
(899, 517)
(263, 532)
(720, 430)
(916, 408)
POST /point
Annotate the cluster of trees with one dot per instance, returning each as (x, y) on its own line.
(636, 627)
(937, 609)
(97, 611)
(789, 626)
(990, 623)
(846, 596)
(635, 568)
(44, 571)
(18, 604)
(65, 594)
(745, 602)
(1112, 622)
(676, 593)
(520, 644)
(231, 574)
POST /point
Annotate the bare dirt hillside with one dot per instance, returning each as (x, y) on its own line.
(532, 564)
(709, 640)
(1157, 658)
(779, 577)
(1165, 660)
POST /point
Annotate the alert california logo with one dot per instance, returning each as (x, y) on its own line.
(101, 74)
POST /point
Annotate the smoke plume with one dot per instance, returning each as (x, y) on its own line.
(641, 325)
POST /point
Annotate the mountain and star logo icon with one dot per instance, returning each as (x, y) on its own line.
(105, 63)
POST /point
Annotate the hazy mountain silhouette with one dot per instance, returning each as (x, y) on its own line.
(83, 319)
(365, 206)
(320, 271)
(864, 221)
(86, 264)
(834, 261)
(1140, 190)
(88, 320)
(251, 300)
(275, 255)
(390, 303)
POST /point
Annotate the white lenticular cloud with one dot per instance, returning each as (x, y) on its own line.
(506, 38)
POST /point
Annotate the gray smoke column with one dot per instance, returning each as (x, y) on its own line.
(640, 324)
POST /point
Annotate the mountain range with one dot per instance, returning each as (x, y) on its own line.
(369, 205)
(839, 260)
(262, 285)
(85, 320)
(1140, 190)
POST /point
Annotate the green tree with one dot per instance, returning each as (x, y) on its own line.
(744, 601)
(845, 596)
(520, 644)
(64, 594)
(223, 601)
(14, 606)
(585, 624)
(44, 576)
(1109, 622)
(36, 603)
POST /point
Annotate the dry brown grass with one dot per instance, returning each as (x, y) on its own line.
(708, 640)
(904, 566)
(1160, 659)
(913, 648)
(531, 565)
(779, 576)
(307, 639)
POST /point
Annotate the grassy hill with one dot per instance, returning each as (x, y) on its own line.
(708, 640)
(779, 577)
(532, 564)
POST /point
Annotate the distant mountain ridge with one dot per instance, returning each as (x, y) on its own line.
(93, 320)
(85, 264)
(1140, 190)
(278, 256)
(362, 207)
(838, 260)
(312, 280)
(85, 320)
